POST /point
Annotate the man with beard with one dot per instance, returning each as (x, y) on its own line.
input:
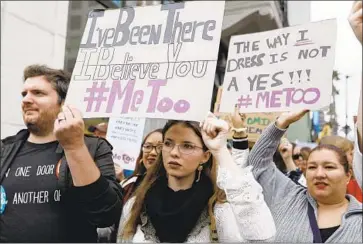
(57, 185)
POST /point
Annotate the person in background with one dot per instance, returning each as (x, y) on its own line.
(292, 171)
(347, 147)
(305, 152)
(57, 184)
(99, 130)
(296, 154)
(341, 142)
(239, 148)
(149, 152)
(150, 149)
(283, 161)
(279, 162)
(355, 21)
(195, 192)
(320, 213)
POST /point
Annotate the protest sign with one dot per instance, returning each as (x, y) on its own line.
(281, 70)
(255, 122)
(125, 135)
(153, 61)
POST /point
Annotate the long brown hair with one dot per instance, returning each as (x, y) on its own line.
(157, 170)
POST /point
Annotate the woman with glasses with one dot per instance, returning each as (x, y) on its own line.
(296, 154)
(150, 149)
(195, 192)
(293, 171)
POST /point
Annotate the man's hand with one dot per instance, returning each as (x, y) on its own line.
(355, 19)
(69, 128)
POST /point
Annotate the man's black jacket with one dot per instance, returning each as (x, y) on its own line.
(85, 208)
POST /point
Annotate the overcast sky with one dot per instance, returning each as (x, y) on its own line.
(348, 59)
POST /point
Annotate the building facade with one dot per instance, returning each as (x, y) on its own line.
(31, 33)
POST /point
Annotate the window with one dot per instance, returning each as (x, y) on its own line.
(76, 22)
(77, 19)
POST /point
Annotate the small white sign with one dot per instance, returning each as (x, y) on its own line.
(125, 135)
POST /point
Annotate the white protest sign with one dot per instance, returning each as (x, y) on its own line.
(153, 61)
(281, 70)
(125, 136)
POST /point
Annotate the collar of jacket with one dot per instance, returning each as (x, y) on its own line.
(22, 136)
(10, 147)
(354, 207)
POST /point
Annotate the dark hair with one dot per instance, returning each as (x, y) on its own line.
(279, 162)
(140, 167)
(58, 78)
(342, 158)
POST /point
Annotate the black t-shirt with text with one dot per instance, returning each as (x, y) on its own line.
(32, 210)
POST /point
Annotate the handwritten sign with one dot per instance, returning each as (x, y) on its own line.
(255, 122)
(154, 62)
(281, 70)
(125, 135)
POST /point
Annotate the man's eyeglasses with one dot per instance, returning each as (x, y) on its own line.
(184, 148)
(147, 148)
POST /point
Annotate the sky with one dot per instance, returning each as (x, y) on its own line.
(348, 59)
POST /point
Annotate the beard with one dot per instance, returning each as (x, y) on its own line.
(43, 124)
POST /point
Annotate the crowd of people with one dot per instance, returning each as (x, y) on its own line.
(60, 185)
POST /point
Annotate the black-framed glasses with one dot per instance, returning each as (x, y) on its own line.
(148, 147)
(184, 148)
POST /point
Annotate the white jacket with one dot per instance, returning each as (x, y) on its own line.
(244, 217)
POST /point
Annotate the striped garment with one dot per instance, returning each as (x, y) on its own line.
(288, 201)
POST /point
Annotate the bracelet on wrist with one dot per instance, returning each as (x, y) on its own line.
(239, 137)
(239, 130)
